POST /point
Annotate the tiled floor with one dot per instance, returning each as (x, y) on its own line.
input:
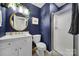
(55, 54)
(52, 53)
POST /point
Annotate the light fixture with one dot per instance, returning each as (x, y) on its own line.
(25, 11)
(13, 6)
(20, 9)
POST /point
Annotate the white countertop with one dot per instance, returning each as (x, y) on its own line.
(14, 36)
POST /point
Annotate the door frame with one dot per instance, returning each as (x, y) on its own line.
(75, 38)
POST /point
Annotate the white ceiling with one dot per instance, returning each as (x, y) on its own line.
(60, 4)
(41, 4)
(38, 4)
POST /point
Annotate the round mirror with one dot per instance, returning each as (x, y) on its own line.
(18, 21)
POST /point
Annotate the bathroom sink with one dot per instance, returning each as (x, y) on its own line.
(15, 36)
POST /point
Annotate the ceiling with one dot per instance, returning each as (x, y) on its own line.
(41, 4)
(38, 4)
(60, 4)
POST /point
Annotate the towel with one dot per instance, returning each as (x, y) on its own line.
(74, 28)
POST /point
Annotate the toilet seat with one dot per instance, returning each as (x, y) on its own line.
(41, 46)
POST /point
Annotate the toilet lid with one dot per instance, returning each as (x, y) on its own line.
(41, 45)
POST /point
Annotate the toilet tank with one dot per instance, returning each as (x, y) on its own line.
(36, 38)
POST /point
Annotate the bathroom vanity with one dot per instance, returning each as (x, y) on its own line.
(16, 45)
(18, 42)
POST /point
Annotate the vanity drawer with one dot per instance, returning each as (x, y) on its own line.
(4, 44)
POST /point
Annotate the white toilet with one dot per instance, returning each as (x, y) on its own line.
(41, 47)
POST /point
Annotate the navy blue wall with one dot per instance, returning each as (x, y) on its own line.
(46, 11)
(45, 25)
(53, 8)
(2, 28)
(35, 12)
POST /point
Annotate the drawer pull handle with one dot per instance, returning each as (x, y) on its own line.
(16, 49)
(20, 48)
(9, 43)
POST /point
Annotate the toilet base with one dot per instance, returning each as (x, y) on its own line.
(35, 53)
(40, 52)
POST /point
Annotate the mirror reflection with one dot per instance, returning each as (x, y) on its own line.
(18, 21)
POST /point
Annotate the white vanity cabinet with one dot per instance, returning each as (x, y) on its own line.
(7, 48)
(8, 51)
(23, 49)
(21, 46)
